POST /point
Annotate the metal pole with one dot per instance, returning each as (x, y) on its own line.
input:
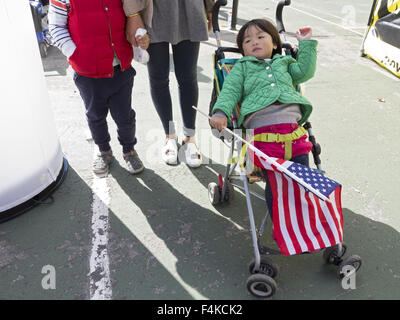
(234, 14)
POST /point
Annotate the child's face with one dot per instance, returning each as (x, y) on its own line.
(258, 43)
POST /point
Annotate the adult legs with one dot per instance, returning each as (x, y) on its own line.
(185, 55)
(158, 70)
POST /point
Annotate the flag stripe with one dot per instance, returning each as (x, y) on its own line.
(323, 223)
(301, 218)
(279, 223)
(309, 221)
(293, 215)
(338, 208)
(285, 200)
(282, 218)
(330, 217)
(313, 220)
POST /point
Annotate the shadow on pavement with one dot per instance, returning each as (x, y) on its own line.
(55, 61)
(208, 247)
(307, 276)
(212, 248)
(60, 235)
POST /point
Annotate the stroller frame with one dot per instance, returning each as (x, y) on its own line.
(39, 9)
(261, 283)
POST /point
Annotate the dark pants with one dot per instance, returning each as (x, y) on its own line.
(185, 55)
(101, 95)
(301, 158)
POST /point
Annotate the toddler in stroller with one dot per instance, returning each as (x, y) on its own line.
(263, 81)
(264, 84)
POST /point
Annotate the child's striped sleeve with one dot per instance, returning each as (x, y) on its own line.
(58, 26)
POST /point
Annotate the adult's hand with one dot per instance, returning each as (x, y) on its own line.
(143, 41)
(209, 21)
(132, 24)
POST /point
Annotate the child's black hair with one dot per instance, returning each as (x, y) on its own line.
(265, 26)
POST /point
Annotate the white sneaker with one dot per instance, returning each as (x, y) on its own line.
(192, 154)
(169, 152)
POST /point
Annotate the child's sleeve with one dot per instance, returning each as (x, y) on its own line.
(303, 68)
(58, 26)
(232, 91)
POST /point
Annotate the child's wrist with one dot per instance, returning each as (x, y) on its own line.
(220, 113)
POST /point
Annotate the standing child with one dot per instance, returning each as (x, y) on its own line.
(264, 82)
(91, 34)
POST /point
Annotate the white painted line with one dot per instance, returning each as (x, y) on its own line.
(369, 63)
(51, 73)
(100, 282)
(322, 19)
(386, 73)
(363, 27)
(141, 228)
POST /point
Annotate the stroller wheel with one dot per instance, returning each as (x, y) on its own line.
(229, 193)
(261, 286)
(214, 194)
(331, 256)
(267, 267)
(353, 261)
(43, 49)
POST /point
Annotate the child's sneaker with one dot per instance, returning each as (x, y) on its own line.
(102, 161)
(133, 162)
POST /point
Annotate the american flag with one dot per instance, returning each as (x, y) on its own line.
(302, 221)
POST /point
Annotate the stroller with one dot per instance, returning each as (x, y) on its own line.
(39, 9)
(263, 270)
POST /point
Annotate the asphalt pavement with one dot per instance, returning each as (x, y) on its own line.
(156, 236)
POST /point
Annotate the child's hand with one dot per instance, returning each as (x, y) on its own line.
(304, 33)
(219, 122)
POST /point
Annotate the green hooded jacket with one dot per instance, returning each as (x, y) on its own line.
(258, 83)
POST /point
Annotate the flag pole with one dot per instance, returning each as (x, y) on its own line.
(271, 161)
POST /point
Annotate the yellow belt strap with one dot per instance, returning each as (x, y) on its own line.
(276, 137)
(233, 160)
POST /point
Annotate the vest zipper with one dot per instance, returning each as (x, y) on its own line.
(112, 44)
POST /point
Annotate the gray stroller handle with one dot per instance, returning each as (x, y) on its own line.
(279, 9)
(215, 13)
(215, 23)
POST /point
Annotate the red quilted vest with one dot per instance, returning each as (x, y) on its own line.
(98, 29)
